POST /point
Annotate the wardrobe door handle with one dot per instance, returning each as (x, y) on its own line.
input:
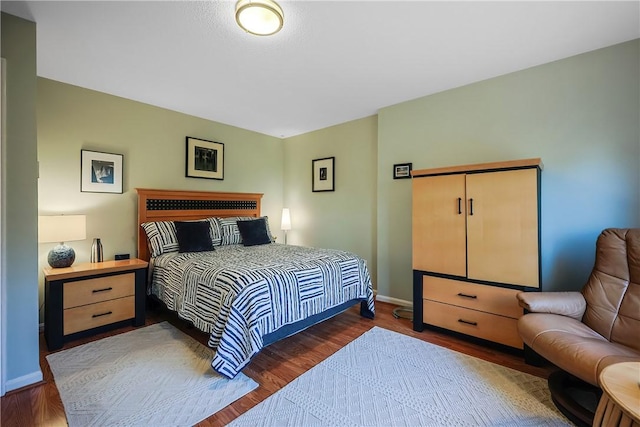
(459, 205)
(470, 206)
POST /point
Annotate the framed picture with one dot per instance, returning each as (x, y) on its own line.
(205, 159)
(402, 170)
(100, 172)
(324, 178)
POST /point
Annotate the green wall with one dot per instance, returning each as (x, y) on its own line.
(20, 206)
(152, 141)
(580, 115)
(344, 218)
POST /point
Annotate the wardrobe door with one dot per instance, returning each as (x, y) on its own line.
(439, 224)
(502, 227)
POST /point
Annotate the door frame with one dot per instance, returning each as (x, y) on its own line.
(3, 233)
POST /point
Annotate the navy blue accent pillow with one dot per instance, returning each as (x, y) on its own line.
(193, 236)
(254, 232)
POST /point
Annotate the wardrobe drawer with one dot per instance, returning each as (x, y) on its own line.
(479, 324)
(102, 313)
(490, 299)
(90, 291)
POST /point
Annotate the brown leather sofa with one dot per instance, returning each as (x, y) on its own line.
(583, 332)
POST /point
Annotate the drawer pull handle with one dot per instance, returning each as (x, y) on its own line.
(468, 322)
(102, 314)
(467, 296)
(95, 291)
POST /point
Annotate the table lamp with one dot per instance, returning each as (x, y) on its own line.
(285, 225)
(60, 229)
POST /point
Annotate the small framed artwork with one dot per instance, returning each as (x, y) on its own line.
(100, 172)
(205, 159)
(402, 170)
(324, 178)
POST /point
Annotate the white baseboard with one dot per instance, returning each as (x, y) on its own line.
(392, 300)
(23, 381)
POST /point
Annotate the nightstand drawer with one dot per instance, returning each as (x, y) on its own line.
(503, 330)
(490, 299)
(103, 313)
(90, 291)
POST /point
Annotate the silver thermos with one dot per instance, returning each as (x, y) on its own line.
(96, 251)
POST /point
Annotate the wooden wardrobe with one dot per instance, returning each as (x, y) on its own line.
(476, 244)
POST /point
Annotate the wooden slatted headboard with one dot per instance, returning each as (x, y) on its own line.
(178, 205)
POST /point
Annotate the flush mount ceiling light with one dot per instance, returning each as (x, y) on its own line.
(259, 17)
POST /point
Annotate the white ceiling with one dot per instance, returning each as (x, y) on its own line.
(333, 61)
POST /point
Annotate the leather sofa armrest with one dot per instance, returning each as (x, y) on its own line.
(571, 304)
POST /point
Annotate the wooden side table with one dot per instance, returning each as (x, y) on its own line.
(620, 401)
(89, 298)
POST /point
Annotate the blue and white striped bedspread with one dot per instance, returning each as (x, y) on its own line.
(240, 294)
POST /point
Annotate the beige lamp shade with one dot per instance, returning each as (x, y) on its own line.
(285, 224)
(286, 220)
(62, 228)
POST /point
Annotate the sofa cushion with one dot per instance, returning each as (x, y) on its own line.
(571, 345)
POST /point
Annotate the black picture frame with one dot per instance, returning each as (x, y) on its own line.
(204, 159)
(101, 172)
(402, 170)
(323, 177)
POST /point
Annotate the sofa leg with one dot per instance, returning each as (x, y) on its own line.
(532, 358)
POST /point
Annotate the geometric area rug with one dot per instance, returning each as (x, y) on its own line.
(151, 376)
(384, 378)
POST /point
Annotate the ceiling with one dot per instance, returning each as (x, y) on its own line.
(333, 61)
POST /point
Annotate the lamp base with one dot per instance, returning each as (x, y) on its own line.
(61, 256)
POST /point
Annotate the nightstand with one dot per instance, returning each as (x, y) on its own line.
(90, 298)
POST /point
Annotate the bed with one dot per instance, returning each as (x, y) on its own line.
(244, 295)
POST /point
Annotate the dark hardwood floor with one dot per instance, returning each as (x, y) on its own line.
(272, 369)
